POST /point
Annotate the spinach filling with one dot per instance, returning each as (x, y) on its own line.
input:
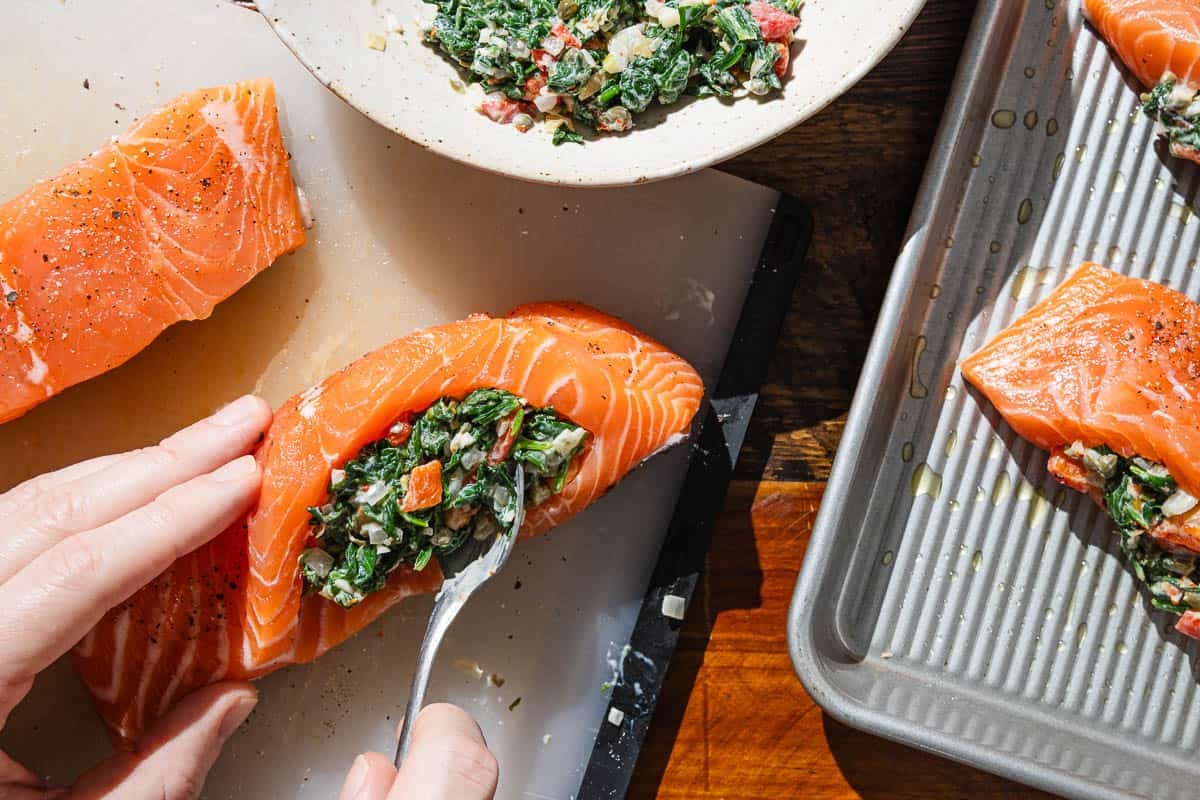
(1173, 106)
(599, 62)
(431, 484)
(1134, 495)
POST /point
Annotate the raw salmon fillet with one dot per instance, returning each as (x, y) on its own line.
(236, 608)
(157, 226)
(1152, 37)
(1104, 360)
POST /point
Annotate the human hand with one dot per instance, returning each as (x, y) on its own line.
(78, 542)
(447, 760)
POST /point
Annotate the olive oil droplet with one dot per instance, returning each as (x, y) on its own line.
(915, 387)
(926, 482)
(1004, 118)
(1025, 211)
(1038, 509)
(1001, 488)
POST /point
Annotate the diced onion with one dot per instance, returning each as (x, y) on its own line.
(553, 45)
(616, 716)
(626, 45)
(668, 17)
(1105, 464)
(545, 101)
(471, 459)
(1178, 503)
(371, 495)
(337, 476)
(317, 561)
(518, 48)
(674, 606)
(375, 533)
(464, 438)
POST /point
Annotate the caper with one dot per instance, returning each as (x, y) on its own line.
(567, 9)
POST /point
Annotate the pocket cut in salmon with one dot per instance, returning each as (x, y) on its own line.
(1105, 374)
(578, 397)
(1159, 42)
(157, 226)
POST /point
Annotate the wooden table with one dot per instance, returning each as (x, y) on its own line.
(733, 721)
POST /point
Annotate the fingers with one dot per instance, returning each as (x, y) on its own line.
(173, 758)
(68, 588)
(447, 760)
(42, 512)
(370, 778)
(14, 775)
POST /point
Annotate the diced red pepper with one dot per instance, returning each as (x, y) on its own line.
(1176, 538)
(567, 37)
(775, 23)
(1189, 624)
(543, 60)
(504, 444)
(424, 487)
(1068, 471)
(781, 63)
(534, 84)
(499, 108)
(400, 431)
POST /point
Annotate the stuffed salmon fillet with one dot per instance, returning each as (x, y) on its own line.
(1105, 374)
(399, 457)
(157, 226)
(1159, 42)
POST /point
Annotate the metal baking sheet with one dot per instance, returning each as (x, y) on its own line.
(952, 596)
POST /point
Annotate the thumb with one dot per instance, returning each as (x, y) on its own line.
(172, 760)
(447, 760)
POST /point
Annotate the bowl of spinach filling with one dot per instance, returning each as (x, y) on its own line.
(595, 64)
(436, 480)
(652, 88)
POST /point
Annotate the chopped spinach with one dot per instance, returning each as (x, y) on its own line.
(576, 58)
(363, 532)
(1134, 498)
(1175, 108)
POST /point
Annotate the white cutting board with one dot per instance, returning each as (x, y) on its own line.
(403, 239)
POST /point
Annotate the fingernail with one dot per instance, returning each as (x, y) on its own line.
(356, 781)
(237, 412)
(236, 470)
(236, 715)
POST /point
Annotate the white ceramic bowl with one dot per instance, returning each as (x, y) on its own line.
(413, 90)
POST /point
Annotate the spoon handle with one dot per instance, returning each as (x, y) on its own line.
(445, 609)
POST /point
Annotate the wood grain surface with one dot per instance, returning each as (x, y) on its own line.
(733, 721)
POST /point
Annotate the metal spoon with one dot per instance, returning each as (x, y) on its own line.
(465, 570)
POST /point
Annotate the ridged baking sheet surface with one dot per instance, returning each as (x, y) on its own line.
(968, 603)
